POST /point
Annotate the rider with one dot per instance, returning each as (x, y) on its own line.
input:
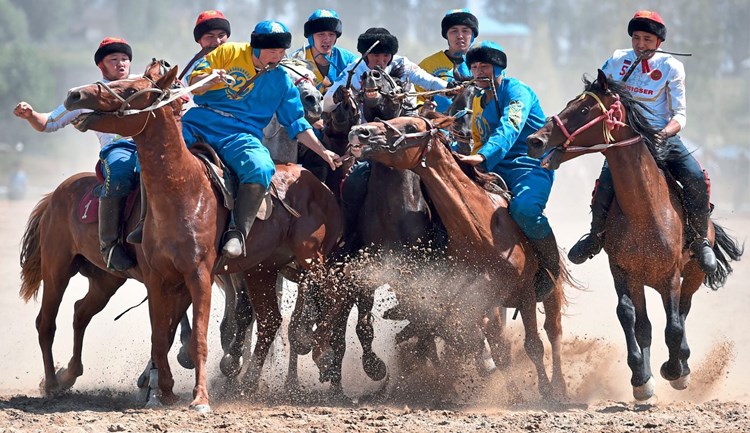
(459, 27)
(322, 30)
(231, 117)
(117, 155)
(658, 81)
(354, 188)
(505, 112)
(211, 30)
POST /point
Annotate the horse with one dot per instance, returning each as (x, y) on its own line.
(186, 254)
(481, 234)
(461, 110)
(645, 238)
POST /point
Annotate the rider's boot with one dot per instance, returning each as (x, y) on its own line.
(700, 248)
(136, 236)
(591, 243)
(549, 265)
(115, 255)
(249, 198)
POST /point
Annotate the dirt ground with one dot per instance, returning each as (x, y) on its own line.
(409, 399)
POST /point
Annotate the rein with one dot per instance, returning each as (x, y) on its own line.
(423, 139)
(611, 119)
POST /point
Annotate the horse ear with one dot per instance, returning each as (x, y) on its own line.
(166, 81)
(602, 79)
(440, 121)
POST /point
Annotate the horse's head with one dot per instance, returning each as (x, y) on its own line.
(401, 142)
(119, 106)
(592, 121)
(304, 79)
(460, 109)
(382, 94)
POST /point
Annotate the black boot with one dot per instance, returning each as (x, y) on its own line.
(136, 236)
(549, 265)
(115, 255)
(249, 198)
(591, 243)
(700, 248)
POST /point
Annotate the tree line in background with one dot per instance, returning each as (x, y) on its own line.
(45, 45)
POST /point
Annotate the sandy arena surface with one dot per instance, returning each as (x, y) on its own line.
(409, 400)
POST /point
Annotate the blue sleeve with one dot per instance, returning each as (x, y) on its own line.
(518, 101)
(291, 113)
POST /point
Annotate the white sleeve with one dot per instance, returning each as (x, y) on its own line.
(423, 78)
(676, 93)
(61, 117)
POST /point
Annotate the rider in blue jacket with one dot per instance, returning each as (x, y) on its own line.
(505, 112)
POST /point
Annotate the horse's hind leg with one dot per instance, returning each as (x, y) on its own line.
(494, 330)
(371, 363)
(102, 285)
(55, 282)
(553, 328)
(534, 346)
(675, 329)
(631, 311)
(238, 318)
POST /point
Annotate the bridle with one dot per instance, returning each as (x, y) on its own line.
(422, 139)
(611, 119)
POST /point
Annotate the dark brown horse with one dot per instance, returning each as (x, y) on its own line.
(186, 219)
(480, 232)
(645, 238)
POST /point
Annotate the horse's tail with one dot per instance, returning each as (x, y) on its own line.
(565, 279)
(31, 252)
(726, 249)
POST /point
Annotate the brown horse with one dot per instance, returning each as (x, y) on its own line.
(480, 232)
(186, 218)
(645, 238)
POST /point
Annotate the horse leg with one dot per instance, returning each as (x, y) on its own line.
(55, 284)
(494, 331)
(371, 363)
(199, 285)
(183, 356)
(335, 356)
(102, 285)
(553, 328)
(674, 333)
(631, 311)
(238, 317)
(533, 344)
(691, 282)
(165, 315)
(265, 304)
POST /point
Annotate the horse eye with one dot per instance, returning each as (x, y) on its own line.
(585, 110)
(410, 129)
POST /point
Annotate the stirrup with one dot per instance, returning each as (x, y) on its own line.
(229, 235)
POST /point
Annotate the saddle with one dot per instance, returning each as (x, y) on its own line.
(88, 206)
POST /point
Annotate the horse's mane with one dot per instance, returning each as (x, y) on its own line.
(486, 181)
(636, 113)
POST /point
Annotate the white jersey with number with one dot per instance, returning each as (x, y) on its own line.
(658, 82)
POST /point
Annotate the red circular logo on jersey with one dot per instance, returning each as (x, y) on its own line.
(656, 75)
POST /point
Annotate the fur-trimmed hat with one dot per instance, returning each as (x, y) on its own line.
(459, 17)
(487, 52)
(388, 43)
(323, 20)
(270, 34)
(648, 21)
(112, 45)
(210, 20)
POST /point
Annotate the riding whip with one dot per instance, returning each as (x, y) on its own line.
(351, 71)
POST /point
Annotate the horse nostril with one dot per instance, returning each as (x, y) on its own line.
(310, 100)
(376, 75)
(364, 133)
(74, 96)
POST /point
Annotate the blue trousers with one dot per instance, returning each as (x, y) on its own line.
(241, 150)
(530, 185)
(119, 162)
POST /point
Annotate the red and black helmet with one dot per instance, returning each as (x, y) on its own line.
(648, 21)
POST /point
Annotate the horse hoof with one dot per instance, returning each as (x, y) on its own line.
(664, 370)
(230, 366)
(65, 380)
(681, 383)
(645, 391)
(374, 367)
(183, 357)
(143, 379)
(201, 408)
(153, 401)
(325, 363)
